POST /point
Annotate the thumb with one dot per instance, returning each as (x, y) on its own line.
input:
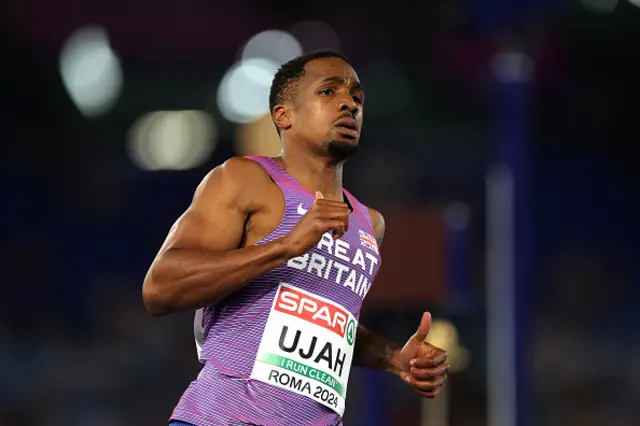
(319, 195)
(423, 329)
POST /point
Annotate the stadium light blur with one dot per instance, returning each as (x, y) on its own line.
(243, 93)
(601, 6)
(90, 71)
(444, 334)
(275, 45)
(172, 140)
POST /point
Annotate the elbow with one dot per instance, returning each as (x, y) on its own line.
(154, 304)
(156, 300)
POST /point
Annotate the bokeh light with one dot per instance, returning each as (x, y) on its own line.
(243, 94)
(90, 71)
(600, 6)
(512, 66)
(172, 140)
(275, 45)
(444, 334)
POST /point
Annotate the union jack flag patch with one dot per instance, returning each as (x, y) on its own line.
(368, 241)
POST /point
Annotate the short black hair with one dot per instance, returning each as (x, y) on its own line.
(285, 80)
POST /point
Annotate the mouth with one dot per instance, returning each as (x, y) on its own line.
(348, 127)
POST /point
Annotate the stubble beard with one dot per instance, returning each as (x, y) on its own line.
(341, 150)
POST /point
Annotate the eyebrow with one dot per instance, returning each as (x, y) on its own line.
(356, 84)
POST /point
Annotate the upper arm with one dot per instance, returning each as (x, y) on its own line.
(216, 217)
(377, 222)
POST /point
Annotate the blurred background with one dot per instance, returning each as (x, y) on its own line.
(498, 143)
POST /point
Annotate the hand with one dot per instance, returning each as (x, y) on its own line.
(424, 365)
(323, 216)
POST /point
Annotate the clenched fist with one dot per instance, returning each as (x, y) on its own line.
(323, 216)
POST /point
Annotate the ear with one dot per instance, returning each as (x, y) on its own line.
(282, 116)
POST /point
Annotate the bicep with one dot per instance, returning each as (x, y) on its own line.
(216, 217)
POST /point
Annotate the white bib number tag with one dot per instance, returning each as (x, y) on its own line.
(307, 347)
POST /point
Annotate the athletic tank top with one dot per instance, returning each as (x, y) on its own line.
(278, 351)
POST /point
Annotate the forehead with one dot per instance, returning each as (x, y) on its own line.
(318, 70)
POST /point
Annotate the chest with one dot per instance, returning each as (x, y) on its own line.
(342, 270)
(356, 251)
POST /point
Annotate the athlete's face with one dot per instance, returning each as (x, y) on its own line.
(327, 111)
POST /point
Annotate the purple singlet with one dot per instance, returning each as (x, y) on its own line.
(278, 352)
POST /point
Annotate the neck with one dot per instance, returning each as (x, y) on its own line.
(314, 173)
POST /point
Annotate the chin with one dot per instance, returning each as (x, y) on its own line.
(341, 149)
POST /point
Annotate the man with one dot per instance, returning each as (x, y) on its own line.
(276, 257)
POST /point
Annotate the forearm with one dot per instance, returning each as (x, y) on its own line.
(375, 352)
(183, 279)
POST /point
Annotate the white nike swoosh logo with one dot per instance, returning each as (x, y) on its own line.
(301, 210)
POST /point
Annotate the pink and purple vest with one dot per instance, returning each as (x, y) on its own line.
(228, 334)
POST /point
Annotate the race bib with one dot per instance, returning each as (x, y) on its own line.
(307, 347)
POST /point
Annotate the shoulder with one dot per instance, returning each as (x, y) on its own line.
(377, 221)
(378, 224)
(235, 173)
(237, 170)
(236, 179)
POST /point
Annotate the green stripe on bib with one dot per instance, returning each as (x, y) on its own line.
(304, 370)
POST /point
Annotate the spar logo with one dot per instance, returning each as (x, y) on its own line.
(317, 311)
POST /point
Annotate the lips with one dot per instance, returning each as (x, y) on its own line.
(348, 127)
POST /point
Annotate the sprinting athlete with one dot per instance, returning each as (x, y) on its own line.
(276, 258)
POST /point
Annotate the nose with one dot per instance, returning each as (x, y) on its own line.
(348, 104)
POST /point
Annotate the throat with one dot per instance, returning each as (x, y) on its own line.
(315, 175)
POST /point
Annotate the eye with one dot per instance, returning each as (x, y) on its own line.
(358, 99)
(327, 92)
